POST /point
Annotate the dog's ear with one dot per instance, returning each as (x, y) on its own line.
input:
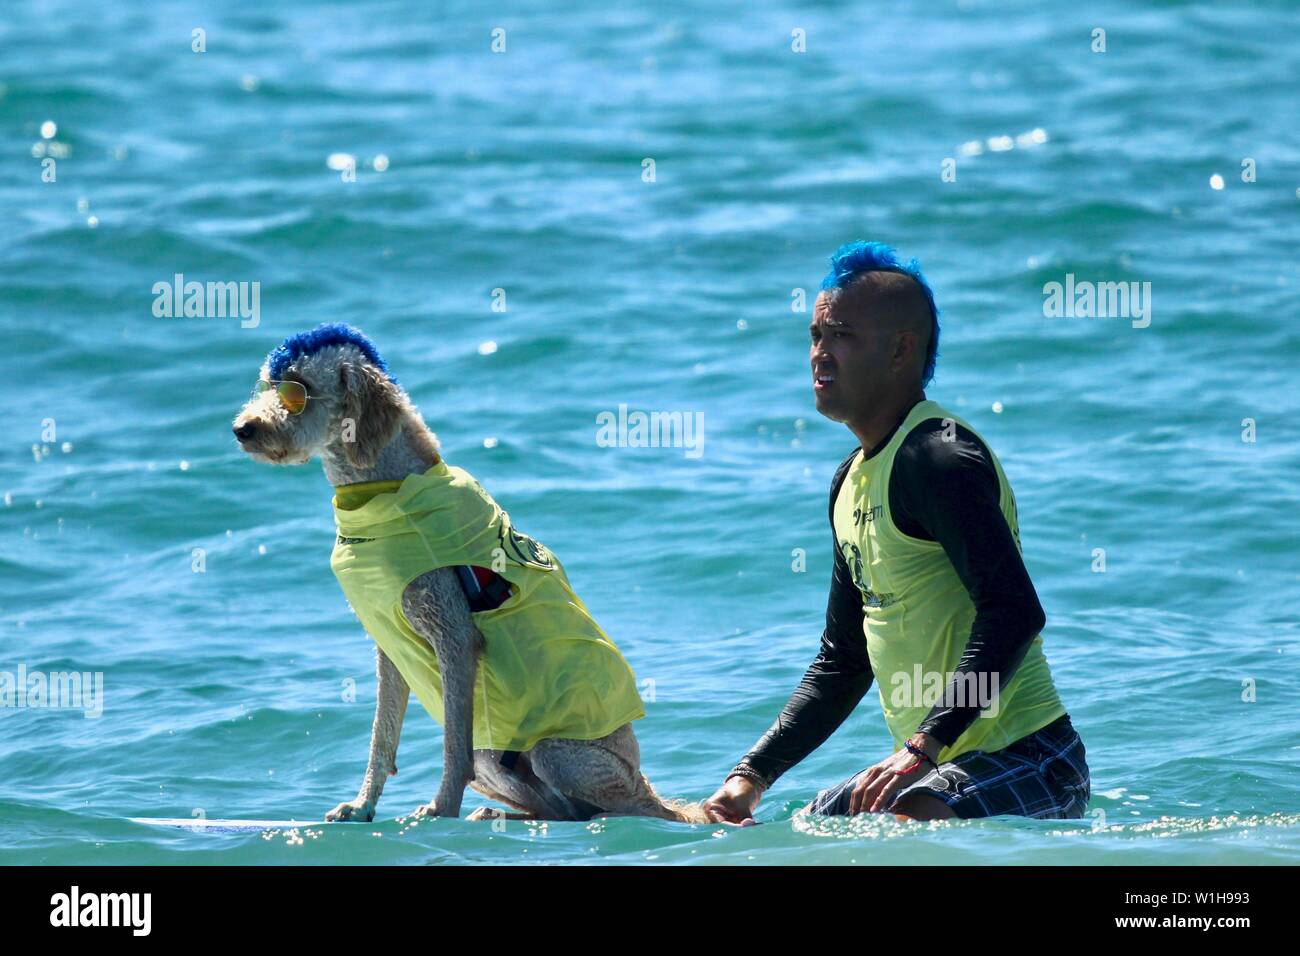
(372, 412)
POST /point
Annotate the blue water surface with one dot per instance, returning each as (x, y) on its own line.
(226, 692)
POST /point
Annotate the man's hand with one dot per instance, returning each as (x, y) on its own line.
(878, 784)
(734, 802)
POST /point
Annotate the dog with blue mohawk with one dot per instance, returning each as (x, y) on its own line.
(474, 616)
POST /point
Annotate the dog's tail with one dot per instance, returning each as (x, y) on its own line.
(686, 812)
(679, 810)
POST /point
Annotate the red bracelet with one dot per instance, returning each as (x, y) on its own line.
(916, 751)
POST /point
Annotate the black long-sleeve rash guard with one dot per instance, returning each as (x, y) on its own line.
(943, 488)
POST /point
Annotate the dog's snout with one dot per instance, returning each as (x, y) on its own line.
(245, 431)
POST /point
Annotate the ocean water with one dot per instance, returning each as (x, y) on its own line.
(225, 691)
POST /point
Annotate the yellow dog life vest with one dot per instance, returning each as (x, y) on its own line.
(546, 670)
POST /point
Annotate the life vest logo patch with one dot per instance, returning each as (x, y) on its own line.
(524, 550)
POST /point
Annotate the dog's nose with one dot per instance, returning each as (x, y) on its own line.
(245, 431)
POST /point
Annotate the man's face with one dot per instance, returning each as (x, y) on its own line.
(850, 356)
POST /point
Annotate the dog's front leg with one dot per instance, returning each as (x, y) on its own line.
(436, 608)
(391, 698)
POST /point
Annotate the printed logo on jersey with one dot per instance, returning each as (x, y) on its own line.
(853, 557)
(873, 513)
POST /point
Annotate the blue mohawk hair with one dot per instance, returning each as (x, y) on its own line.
(324, 335)
(855, 259)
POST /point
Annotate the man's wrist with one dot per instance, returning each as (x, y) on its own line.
(930, 744)
(751, 775)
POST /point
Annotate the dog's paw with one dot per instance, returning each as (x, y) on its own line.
(426, 810)
(361, 811)
(438, 808)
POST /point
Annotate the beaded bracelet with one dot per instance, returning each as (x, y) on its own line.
(916, 751)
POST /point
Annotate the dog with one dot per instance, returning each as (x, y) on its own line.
(535, 700)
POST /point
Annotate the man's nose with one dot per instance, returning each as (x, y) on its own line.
(245, 431)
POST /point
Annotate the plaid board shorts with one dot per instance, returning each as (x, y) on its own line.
(1044, 775)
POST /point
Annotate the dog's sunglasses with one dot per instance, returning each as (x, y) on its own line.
(293, 395)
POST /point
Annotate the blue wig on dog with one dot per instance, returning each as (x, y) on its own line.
(324, 335)
(855, 259)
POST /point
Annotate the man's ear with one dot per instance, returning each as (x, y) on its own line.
(372, 412)
(904, 349)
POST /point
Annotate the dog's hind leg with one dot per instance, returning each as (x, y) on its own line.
(519, 787)
(606, 773)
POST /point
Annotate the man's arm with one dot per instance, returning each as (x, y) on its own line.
(947, 491)
(831, 687)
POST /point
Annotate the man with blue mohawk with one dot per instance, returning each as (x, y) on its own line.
(929, 595)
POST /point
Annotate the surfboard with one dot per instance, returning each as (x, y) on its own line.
(225, 826)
